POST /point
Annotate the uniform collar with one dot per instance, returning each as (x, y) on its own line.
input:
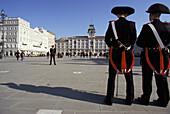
(122, 18)
(155, 21)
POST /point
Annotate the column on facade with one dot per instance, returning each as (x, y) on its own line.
(72, 46)
(68, 46)
(77, 46)
(80, 46)
(94, 45)
(89, 46)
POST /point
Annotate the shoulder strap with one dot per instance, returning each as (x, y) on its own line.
(114, 30)
(157, 36)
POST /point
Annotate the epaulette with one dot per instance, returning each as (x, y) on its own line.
(111, 21)
(132, 21)
(147, 23)
(166, 22)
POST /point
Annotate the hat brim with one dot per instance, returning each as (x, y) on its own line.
(158, 8)
(122, 10)
(158, 12)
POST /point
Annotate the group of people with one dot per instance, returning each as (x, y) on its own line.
(154, 39)
(18, 54)
(82, 54)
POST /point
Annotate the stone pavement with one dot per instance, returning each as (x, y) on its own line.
(73, 86)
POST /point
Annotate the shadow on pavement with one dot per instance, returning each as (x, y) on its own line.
(92, 97)
(60, 91)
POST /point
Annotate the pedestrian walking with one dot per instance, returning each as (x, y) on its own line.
(17, 54)
(153, 38)
(70, 54)
(120, 37)
(90, 54)
(52, 54)
(58, 55)
(48, 55)
(22, 55)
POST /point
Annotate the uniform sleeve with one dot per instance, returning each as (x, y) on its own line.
(134, 35)
(141, 41)
(168, 32)
(110, 38)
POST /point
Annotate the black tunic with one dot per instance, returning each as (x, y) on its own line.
(126, 32)
(147, 38)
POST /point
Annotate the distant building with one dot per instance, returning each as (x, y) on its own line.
(51, 39)
(78, 44)
(19, 36)
(62, 45)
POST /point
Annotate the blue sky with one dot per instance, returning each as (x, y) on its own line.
(68, 18)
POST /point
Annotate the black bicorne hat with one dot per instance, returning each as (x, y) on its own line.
(158, 8)
(122, 10)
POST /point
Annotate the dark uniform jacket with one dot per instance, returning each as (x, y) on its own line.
(126, 32)
(52, 51)
(147, 38)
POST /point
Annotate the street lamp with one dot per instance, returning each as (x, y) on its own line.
(3, 15)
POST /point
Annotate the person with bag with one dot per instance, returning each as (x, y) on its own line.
(22, 55)
(17, 54)
(120, 37)
(153, 38)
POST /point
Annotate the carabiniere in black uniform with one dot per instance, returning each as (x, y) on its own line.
(147, 39)
(126, 33)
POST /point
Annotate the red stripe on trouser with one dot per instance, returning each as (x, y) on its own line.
(123, 64)
(161, 60)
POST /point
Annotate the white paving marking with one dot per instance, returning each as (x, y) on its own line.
(46, 111)
(4, 71)
(77, 72)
